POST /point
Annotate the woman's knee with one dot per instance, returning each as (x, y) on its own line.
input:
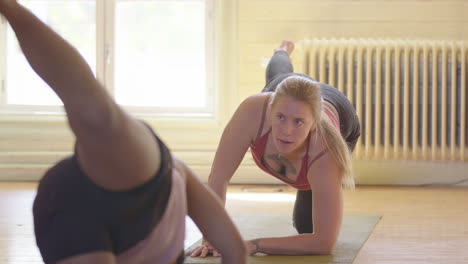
(302, 216)
(96, 118)
(303, 226)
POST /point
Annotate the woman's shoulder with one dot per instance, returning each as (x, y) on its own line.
(257, 100)
(250, 115)
(253, 106)
(321, 160)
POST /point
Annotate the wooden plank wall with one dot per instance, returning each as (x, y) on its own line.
(262, 24)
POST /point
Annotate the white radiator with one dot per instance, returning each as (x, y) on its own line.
(411, 96)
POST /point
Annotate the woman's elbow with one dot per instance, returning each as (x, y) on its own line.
(326, 249)
(322, 247)
(236, 252)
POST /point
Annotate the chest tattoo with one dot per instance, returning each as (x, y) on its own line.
(285, 166)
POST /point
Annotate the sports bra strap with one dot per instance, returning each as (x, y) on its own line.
(265, 104)
(318, 156)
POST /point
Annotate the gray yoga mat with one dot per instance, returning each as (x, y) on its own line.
(354, 233)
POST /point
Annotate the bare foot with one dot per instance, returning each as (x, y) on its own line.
(286, 45)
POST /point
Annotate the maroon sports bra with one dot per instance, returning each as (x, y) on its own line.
(258, 150)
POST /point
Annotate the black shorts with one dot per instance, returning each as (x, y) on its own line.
(74, 216)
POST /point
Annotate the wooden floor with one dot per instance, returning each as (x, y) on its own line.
(419, 224)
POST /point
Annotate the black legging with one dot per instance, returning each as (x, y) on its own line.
(278, 69)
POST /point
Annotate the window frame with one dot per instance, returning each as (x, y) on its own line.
(105, 14)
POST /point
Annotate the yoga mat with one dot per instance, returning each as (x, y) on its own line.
(354, 233)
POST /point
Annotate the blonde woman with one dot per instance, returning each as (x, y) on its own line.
(301, 132)
(122, 197)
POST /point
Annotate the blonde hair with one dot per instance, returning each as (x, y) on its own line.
(308, 91)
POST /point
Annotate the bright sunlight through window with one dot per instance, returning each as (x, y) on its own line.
(160, 54)
(75, 21)
(158, 48)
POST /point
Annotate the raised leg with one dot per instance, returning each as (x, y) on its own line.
(114, 150)
(280, 62)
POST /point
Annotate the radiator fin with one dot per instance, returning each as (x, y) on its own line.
(410, 96)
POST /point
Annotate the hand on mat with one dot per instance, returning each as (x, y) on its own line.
(205, 250)
(252, 246)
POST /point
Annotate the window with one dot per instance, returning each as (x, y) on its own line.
(75, 21)
(155, 54)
